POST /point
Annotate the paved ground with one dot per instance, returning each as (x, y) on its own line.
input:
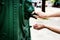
(45, 34)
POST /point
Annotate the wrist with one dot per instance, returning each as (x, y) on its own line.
(46, 15)
(44, 26)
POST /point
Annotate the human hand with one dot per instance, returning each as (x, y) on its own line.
(40, 15)
(38, 26)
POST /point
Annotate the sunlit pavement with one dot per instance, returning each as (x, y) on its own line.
(45, 34)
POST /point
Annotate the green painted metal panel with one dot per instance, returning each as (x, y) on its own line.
(9, 16)
(14, 24)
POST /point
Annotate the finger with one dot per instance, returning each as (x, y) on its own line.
(36, 16)
(35, 12)
(37, 28)
(40, 12)
(34, 26)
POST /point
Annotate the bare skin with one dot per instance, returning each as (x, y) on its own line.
(41, 26)
(43, 15)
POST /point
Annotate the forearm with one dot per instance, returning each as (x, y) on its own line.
(54, 15)
(54, 29)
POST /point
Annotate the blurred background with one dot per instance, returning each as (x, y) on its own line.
(49, 3)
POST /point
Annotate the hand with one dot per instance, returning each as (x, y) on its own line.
(38, 26)
(40, 15)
